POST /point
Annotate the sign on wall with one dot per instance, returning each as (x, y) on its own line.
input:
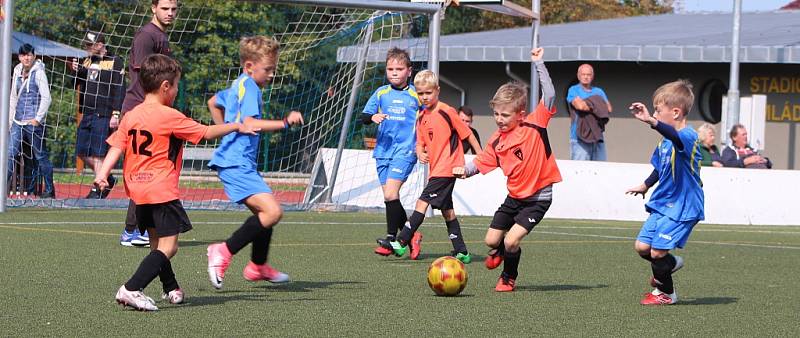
(784, 96)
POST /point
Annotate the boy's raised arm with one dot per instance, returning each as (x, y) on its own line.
(548, 91)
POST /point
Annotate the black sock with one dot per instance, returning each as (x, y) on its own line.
(662, 272)
(415, 221)
(646, 257)
(501, 249)
(244, 235)
(261, 246)
(148, 270)
(167, 276)
(395, 217)
(454, 233)
(511, 263)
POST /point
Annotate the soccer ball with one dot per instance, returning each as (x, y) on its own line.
(447, 276)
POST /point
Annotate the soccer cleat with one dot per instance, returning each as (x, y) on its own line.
(505, 283)
(659, 298)
(384, 246)
(174, 296)
(140, 239)
(135, 299)
(416, 245)
(399, 250)
(219, 257)
(111, 182)
(678, 266)
(93, 194)
(126, 237)
(493, 259)
(254, 273)
(464, 257)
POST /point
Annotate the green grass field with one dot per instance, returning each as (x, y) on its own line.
(61, 268)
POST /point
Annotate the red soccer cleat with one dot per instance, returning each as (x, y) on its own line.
(659, 298)
(416, 245)
(493, 259)
(383, 251)
(505, 284)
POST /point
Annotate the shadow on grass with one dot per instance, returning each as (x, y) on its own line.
(190, 243)
(306, 286)
(192, 301)
(559, 287)
(708, 301)
(430, 257)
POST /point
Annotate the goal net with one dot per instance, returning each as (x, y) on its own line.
(324, 52)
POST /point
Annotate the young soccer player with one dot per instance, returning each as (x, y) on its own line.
(521, 148)
(394, 107)
(235, 163)
(151, 136)
(440, 133)
(676, 205)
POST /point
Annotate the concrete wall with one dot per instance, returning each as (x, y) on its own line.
(625, 82)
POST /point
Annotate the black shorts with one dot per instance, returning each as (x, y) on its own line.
(525, 213)
(167, 218)
(91, 136)
(439, 192)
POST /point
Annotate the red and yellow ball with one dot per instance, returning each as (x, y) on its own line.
(447, 276)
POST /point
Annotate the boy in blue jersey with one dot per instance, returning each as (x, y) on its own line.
(676, 205)
(394, 108)
(235, 162)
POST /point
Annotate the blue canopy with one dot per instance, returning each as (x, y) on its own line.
(44, 47)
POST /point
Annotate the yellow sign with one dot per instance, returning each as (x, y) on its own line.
(783, 96)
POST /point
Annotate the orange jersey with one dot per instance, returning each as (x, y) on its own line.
(440, 132)
(524, 154)
(152, 135)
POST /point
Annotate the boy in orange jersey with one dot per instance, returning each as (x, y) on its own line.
(151, 136)
(521, 148)
(440, 133)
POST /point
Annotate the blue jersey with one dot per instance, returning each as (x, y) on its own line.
(578, 91)
(679, 194)
(241, 100)
(396, 135)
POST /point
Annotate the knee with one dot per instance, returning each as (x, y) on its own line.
(449, 215)
(511, 244)
(642, 249)
(492, 241)
(169, 252)
(658, 254)
(391, 196)
(270, 217)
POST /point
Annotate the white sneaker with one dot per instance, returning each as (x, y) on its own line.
(135, 299)
(174, 296)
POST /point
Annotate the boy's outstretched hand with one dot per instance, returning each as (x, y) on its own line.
(640, 112)
(638, 190)
(537, 54)
(294, 118)
(459, 172)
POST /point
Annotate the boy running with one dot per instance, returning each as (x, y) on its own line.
(440, 133)
(151, 136)
(521, 148)
(235, 163)
(677, 204)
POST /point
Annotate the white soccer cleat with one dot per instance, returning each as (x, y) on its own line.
(219, 258)
(135, 299)
(174, 296)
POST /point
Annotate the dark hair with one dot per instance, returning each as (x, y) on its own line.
(26, 49)
(735, 130)
(400, 55)
(156, 69)
(466, 110)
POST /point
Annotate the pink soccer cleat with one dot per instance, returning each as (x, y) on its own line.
(219, 257)
(135, 299)
(659, 298)
(254, 273)
(174, 296)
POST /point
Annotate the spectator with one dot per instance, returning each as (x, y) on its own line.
(465, 113)
(707, 147)
(30, 100)
(589, 111)
(739, 154)
(100, 78)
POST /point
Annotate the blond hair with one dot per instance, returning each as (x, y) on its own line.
(676, 94)
(512, 93)
(398, 54)
(257, 48)
(704, 130)
(426, 79)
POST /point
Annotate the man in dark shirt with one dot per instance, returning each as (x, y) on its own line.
(465, 113)
(99, 79)
(150, 39)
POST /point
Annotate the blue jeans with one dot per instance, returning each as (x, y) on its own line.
(34, 136)
(582, 151)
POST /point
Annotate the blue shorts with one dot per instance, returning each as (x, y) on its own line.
(395, 168)
(91, 136)
(241, 183)
(662, 233)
